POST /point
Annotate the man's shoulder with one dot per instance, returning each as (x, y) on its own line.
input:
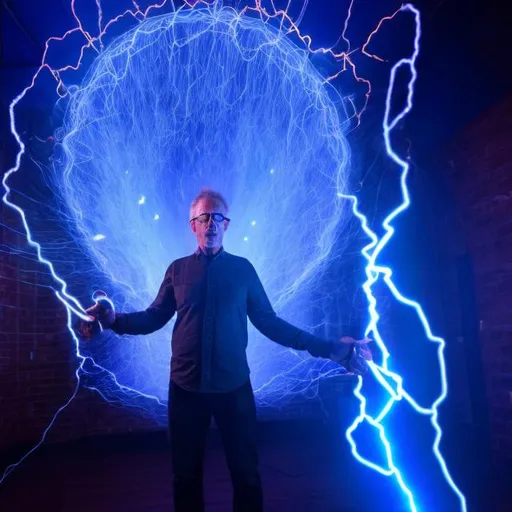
(177, 261)
(233, 258)
(237, 263)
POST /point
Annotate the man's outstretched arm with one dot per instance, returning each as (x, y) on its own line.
(154, 317)
(264, 318)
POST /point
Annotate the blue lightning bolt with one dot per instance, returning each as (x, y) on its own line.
(72, 305)
(371, 252)
(373, 272)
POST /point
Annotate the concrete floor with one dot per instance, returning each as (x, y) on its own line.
(306, 467)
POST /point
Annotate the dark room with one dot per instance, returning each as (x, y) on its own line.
(255, 255)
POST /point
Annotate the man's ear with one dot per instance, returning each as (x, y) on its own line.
(192, 226)
(226, 225)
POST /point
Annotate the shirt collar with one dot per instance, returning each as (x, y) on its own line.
(198, 253)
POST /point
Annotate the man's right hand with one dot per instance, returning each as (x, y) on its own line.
(101, 316)
(103, 312)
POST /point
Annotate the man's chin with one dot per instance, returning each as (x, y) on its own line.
(212, 244)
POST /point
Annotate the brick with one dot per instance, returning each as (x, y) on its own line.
(33, 321)
(480, 163)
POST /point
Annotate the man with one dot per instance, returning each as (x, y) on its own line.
(213, 293)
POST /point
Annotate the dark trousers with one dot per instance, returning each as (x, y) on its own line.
(190, 415)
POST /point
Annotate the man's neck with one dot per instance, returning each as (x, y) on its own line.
(209, 251)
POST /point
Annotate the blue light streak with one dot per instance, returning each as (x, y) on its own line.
(374, 272)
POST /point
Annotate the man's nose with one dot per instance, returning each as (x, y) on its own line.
(211, 222)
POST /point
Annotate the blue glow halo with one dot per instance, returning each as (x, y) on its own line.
(206, 97)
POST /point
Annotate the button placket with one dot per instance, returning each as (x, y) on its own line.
(208, 329)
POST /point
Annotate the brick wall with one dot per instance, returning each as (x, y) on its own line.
(37, 363)
(480, 161)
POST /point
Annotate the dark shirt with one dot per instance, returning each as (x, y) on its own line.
(213, 296)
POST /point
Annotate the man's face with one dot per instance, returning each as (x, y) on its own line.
(209, 232)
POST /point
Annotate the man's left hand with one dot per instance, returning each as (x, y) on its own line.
(356, 360)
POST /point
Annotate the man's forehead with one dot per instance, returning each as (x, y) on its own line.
(209, 205)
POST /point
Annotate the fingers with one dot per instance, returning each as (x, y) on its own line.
(348, 339)
(367, 355)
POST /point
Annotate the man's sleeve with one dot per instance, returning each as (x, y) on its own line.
(264, 318)
(154, 317)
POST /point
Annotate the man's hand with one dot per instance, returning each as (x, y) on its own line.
(103, 312)
(352, 341)
(101, 316)
(353, 354)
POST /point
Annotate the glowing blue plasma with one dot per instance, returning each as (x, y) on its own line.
(204, 98)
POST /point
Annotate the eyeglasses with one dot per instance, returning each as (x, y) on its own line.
(204, 218)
